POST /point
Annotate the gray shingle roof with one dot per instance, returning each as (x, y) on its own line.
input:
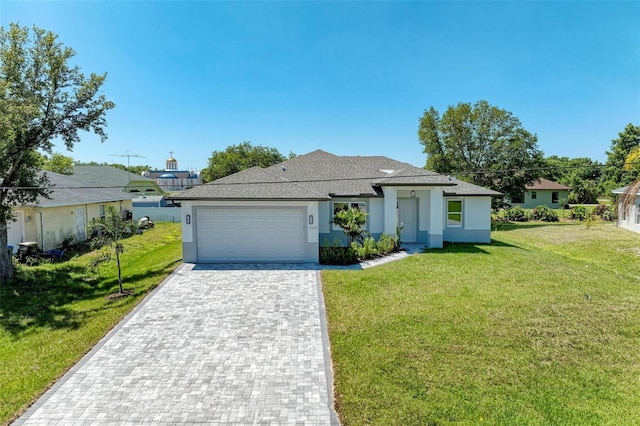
(70, 190)
(320, 175)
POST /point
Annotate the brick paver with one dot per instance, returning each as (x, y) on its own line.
(209, 346)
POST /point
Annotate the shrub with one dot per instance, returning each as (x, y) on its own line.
(544, 213)
(579, 213)
(515, 214)
(336, 254)
(387, 244)
(600, 209)
(367, 250)
(610, 214)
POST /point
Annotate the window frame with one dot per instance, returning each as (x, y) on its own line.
(555, 197)
(637, 206)
(459, 223)
(534, 195)
(362, 205)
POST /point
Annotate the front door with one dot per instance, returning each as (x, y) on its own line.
(408, 216)
(80, 224)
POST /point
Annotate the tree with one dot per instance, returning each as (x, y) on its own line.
(42, 98)
(351, 221)
(240, 157)
(481, 144)
(582, 174)
(615, 174)
(58, 163)
(109, 232)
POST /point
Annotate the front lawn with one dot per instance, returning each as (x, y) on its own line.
(540, 327)
(54, 313)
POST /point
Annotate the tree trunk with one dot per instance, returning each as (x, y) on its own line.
(6, 265)
(119, 272)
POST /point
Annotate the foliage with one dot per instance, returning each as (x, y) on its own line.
(481, 144)
(109, 232)
(366, 250)
(514, 214)
(370, 248)
(619, 169)
(582, 174)
(351, 221)
(42, 98)
(544, 213)
(388, 244)
(579, 213)
(336, 254)
(429, 340)
(58, 163)
(53, 314)
(236, 158)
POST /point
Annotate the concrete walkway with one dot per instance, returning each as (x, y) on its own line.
(209, 346)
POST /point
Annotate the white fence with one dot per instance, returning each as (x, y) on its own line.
(158, 214)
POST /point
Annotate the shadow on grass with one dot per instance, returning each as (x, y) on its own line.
(510, 226)
(449, 247)
(44, 297)
(38, 297)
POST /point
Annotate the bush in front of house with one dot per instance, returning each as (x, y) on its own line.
(514, 214)
(544, 213)
(579, 213)
(336, 254)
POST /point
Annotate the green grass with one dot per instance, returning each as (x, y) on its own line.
(540, 327)
(53, 314)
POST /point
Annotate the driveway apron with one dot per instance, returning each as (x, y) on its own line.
(209, 346)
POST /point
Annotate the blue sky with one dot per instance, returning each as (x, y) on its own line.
(351, 78)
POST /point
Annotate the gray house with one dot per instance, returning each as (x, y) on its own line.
(282, 213)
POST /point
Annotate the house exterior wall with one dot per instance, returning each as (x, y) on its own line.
(631, 218)
(543, 196)
(476, 221)
(49, 226)
(327, 234)
(189, 212)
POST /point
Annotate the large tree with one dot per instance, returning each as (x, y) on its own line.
(615, 173)
(240, 157)
(582, 174)
(43, 98)
(481, 144)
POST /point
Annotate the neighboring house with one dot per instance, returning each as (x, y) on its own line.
(117, 178)
(72, 204)
(629, 218)
(544, 191)
(171, 179)
(283, 212)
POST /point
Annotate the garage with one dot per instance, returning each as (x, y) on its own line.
(250, 234)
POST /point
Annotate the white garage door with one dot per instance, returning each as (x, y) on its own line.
(250, 234)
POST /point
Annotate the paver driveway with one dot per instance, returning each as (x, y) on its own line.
(209, 346)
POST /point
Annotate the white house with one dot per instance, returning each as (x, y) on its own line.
(282, 213)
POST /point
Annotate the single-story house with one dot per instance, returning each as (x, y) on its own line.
(283, 212)
(72, 204)
(543, 192)
(629, 218)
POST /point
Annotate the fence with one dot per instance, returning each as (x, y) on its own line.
(158, 214)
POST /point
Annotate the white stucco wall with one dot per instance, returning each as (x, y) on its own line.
(628, 220)
(477, 213)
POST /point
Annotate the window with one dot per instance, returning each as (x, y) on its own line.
(534, 195)
(555, 197)
(338, 206)
(102, 214)
(638, 214)
(454, 213)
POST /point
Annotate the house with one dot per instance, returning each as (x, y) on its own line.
(72, 204)
(629, 218)
(283, 212)
(131, 183)
(172, 179)
(544, 192)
